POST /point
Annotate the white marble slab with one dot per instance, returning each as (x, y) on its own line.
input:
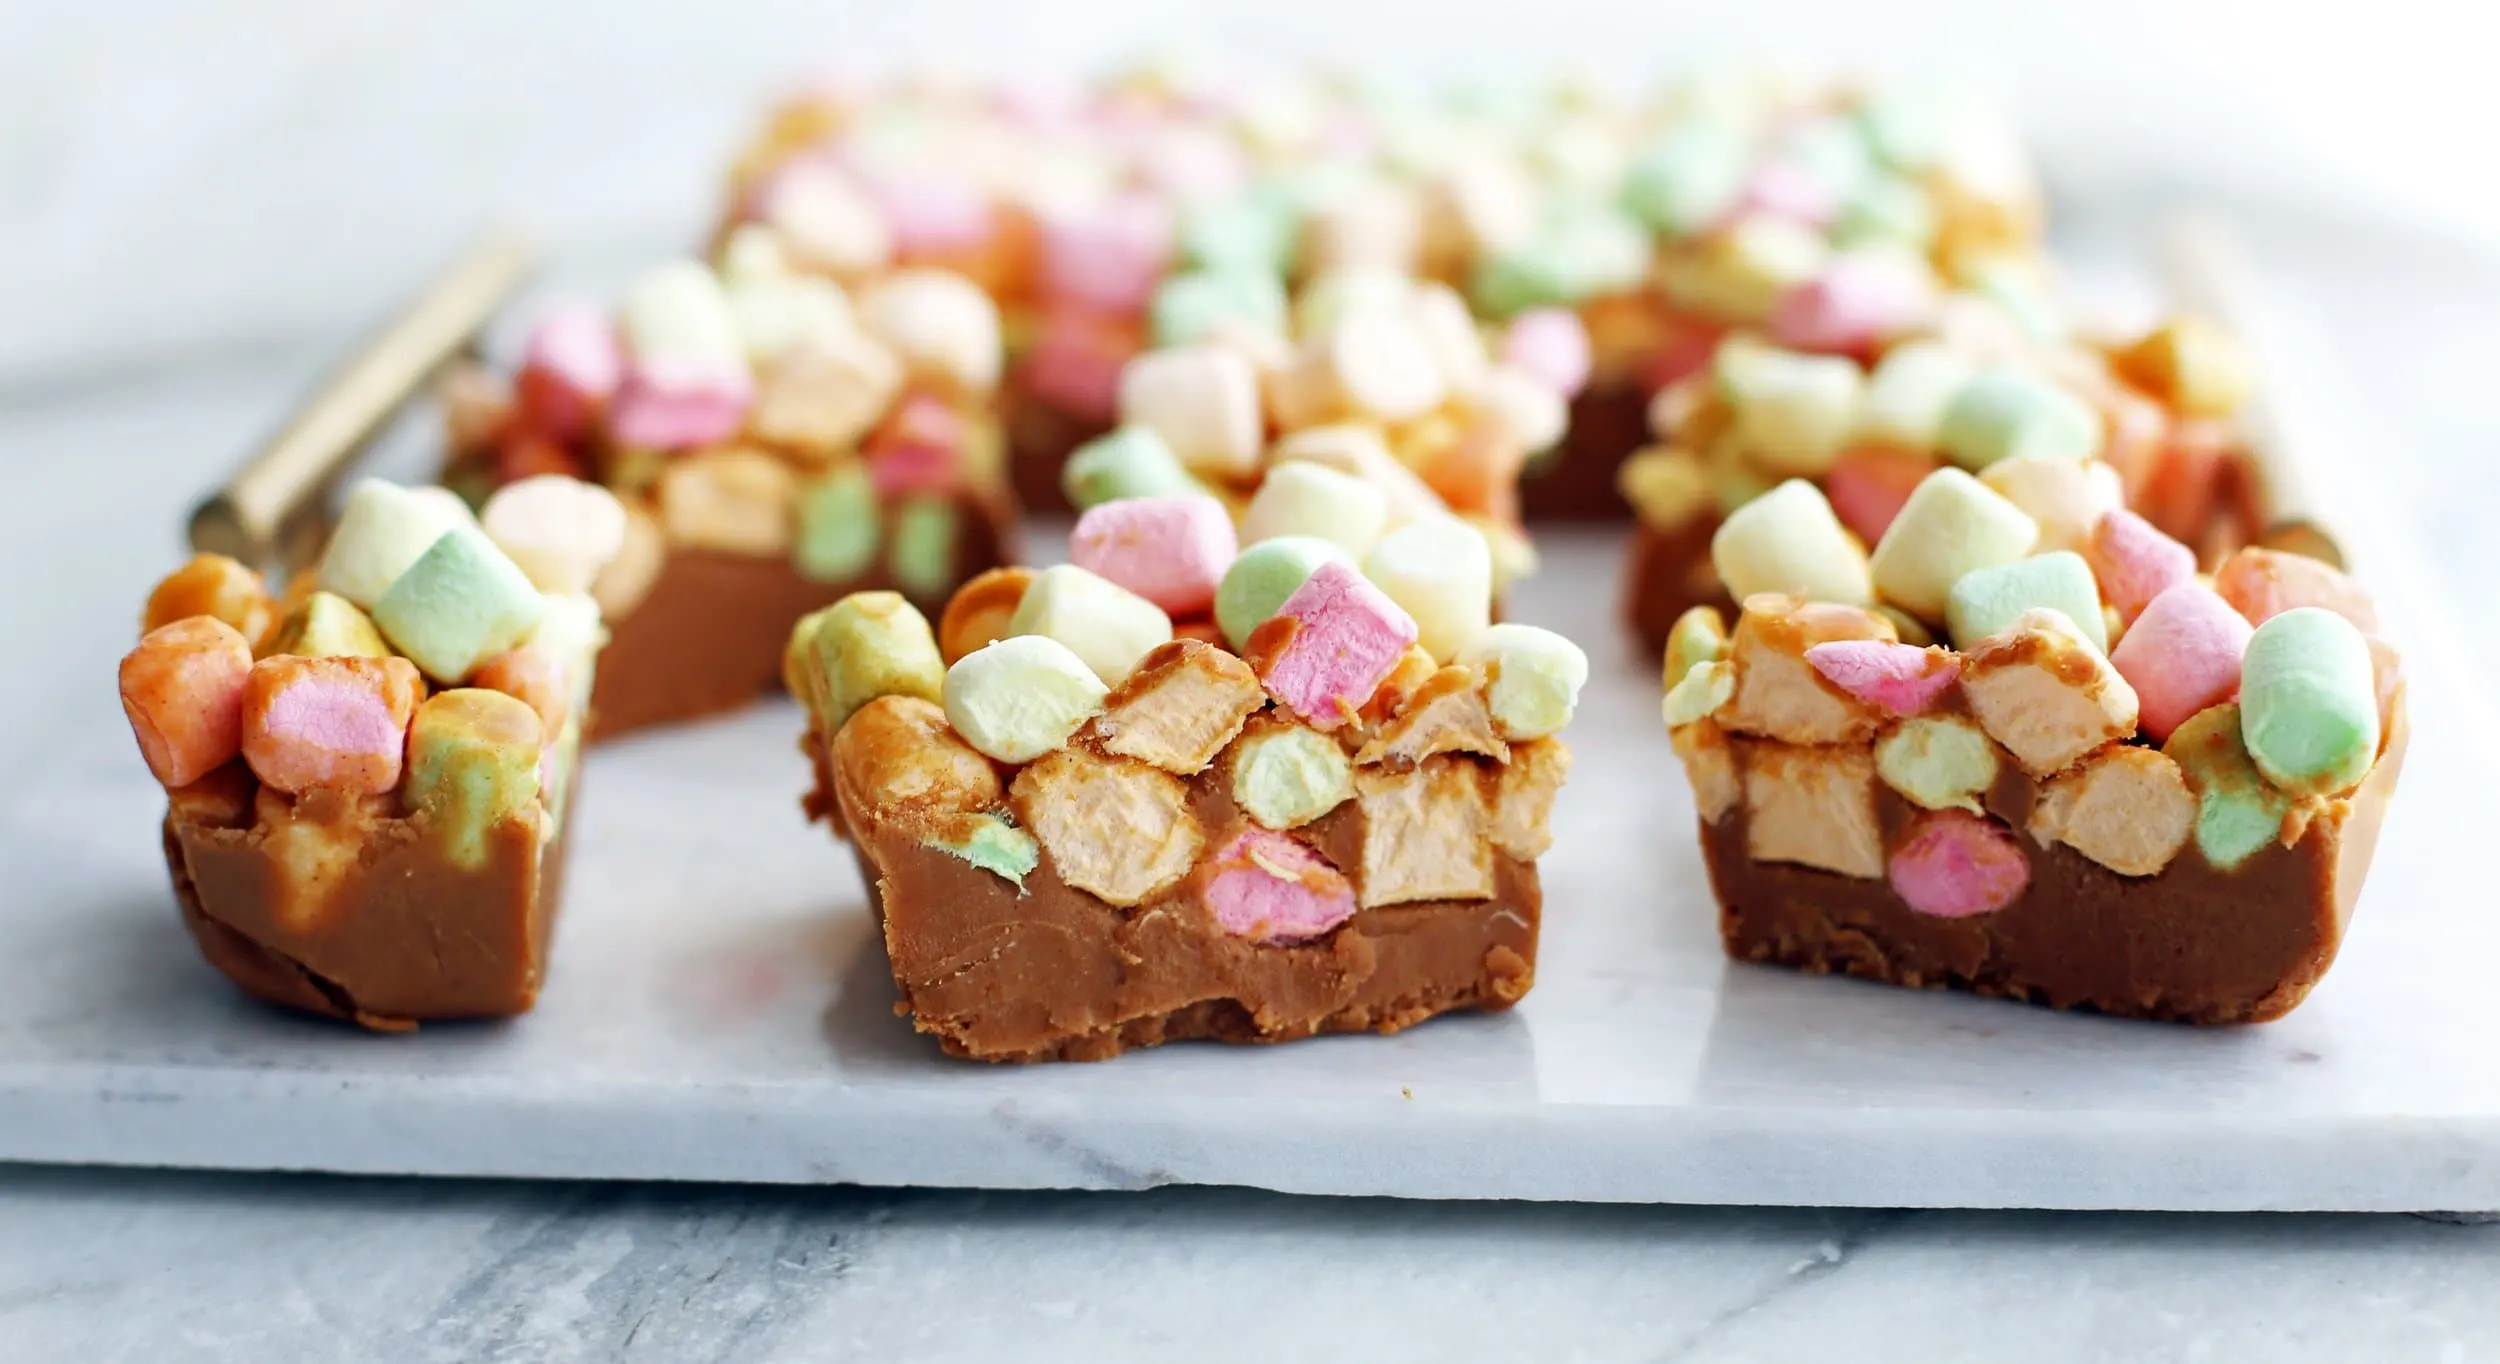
(718, 1009)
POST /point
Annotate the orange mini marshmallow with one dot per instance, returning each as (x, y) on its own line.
(340, 723)
(213, 585)
(182, 690)
(533, 676)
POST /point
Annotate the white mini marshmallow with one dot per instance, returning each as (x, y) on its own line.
(561, 531)
(678, 314)
(381, 531)
(1303, 498)
(1203, 399)
(939, 324)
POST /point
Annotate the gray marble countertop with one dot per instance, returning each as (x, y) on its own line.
(257, 269)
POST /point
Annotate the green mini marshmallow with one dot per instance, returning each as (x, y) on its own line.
(1986, 600)
(462, 602)
(2237, 812)
(2309, 702)
(327, 625)
(1533, 274)
(1789, 540)
(1262, 576)
(1103, 623)
(1288, 775)
(1938, 762)
(1704, 689)
(1698, 636)
(472, 765)
(1257, 231)
(1689, 178)
(991, 843)
(1886, 210)
(1133, 461)
(2005, 412)
(1832, 152)
(1021, 697)
(1189, 306)
(867, 645)
(1951, 525)
(923, 553)
(838, 525)
(1533, 678)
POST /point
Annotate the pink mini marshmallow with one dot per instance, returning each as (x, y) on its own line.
(1075, 363)
(1193, 165)
(1271, 888)
(2181, 655)
(1900, 679)
(1955, 864)
(1785, 190)
(1551, 344)
(932, 216)
(1861, 300)
(1170, 550)
(2135, 562)
(672, 405)
(1869, 485)
(1111, 256)
(570, 366)
(2265, 583)
(1330, 645)
(901, 470)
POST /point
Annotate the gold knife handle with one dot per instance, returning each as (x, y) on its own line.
(276, 495)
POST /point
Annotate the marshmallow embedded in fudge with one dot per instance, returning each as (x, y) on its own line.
(212, 585)
(986, 841)
(537, 677)
(340, 723)
(1302, 498)
(1203, 400)
(1182, 705)
(2135, 562)
(1285, 775)
(898, 756)
(326, 625)
(1440, 572)
(1262, 576)
(1021, 697)
(1133, 461)
(1698, 636)
(2127, 808)
(1532, 678)
(182, 689)
(1103, 623)
(2192, 365)
(571, 365)
(2045, 692)
(2238, 812)
(560, 531)
(978, 614)
(1779, 694)
(1329, 646)
(839, 522)
(1424, 833)
(1788, 540)
(940, 325)
(1118, 830)
(1899, 679)
(382, 529)
(2309, 713)
(472, 764)
(2068, 497)
(867, 645)
(462, 601)
(734, 501)
(1273, 889)
(1938, 762)
(1813, 805)
(2264, 583)
(1699, 693)
(823, 396)
(1170, 550)
(2181, 656)
(1986, 600)
(1951, 525)
(1954, 864)
(1445, 712)
(2005, 412)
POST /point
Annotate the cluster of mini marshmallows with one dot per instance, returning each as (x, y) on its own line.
(436, 654)
(761, 410)
(2262, 684)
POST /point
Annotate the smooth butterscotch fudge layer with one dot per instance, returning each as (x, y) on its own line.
(2189, 944)
(395, 933)
(708, 636)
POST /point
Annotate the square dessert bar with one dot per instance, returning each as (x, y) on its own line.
(2066, 429)
(2126, 786)
(776, 441)
(1175, 791)
(367, 781)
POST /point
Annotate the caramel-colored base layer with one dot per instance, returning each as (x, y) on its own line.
(2191, 944)
(1609, 420)
(400, 935)
(1053, 973)
(1665, 574)
(709, 635)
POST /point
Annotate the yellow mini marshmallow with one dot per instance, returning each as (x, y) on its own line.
(1532, 678)
(1788, 540)
(777, 314)
(1439, 570)
(1302, 498)
(1795, 412)
(1021, 697)
(1352, 448)
(939, 324)
(1907, 394)
(381, 531)
(560, 530)
(867, 645)
(1203, 399)
(1103, 623)
(1952, 524)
